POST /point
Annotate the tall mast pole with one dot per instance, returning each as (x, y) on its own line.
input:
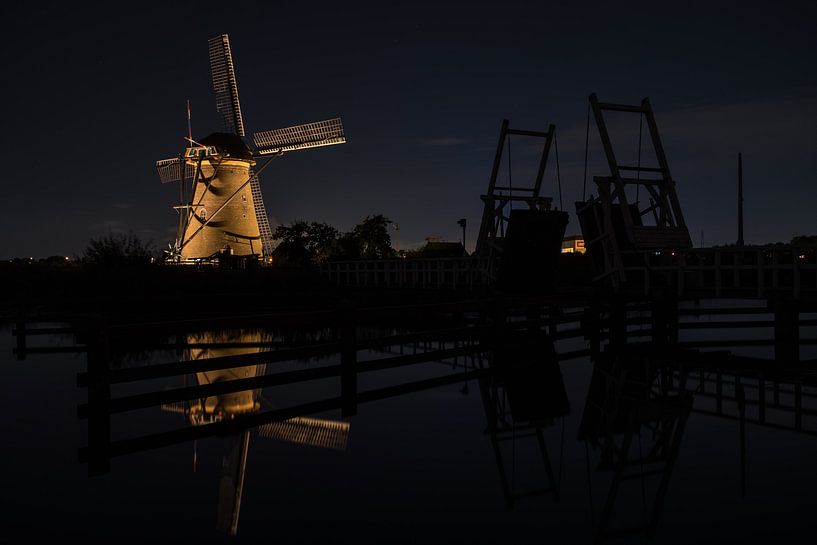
(189, 124)
(740, 200)
(182, 211)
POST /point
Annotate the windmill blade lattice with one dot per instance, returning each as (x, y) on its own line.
(315, 432)
(309, 135)
(169, 170)
(261, 215)
(224, 84)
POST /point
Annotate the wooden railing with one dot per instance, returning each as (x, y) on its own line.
(729, 272)
(446, 272)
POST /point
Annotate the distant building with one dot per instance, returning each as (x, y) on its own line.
(573, 244)
(436, 249)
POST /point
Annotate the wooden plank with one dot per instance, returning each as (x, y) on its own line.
(543, 160)
(536, 134)
(621, 107)
(227, 427)
(172, 369)
(44, 331)
(604, 134)
(150, 399)
(640, 169)
(514, 189)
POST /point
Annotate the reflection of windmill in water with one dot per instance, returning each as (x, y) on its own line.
(223, 207)
(315, 432)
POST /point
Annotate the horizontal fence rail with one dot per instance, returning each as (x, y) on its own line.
(446, 272)
(729, 271)
(703, 272)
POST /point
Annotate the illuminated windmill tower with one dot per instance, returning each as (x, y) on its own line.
(220, 203)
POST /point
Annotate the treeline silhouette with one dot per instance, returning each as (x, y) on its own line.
(302, 243)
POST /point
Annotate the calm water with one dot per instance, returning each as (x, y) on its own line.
(416, 468)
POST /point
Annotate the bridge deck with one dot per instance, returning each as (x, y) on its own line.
(754, 272)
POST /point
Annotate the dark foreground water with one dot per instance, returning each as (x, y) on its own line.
(416, 468)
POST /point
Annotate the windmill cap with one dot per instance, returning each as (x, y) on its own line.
(228, 144)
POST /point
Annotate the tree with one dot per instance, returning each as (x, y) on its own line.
(314, 241)
(116, 250)
(805, 241)
(323, 241)
(302, 242)
(347, 247)
(373, 238)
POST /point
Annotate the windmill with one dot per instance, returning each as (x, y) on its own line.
(220, 203)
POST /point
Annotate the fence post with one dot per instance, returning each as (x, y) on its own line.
(20, 332)
(617, 322)
(348, 363)
(665, 320)
(99, 397)
(591, 325)
(718, 280)
(786, 331)
(795, 273)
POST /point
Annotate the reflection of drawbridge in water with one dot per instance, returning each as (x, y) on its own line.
(639, 401)
(522, 396)
(631, 415)
(315, 432)
(637, 425)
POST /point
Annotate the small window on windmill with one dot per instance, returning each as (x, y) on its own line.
(203, 214)
(244, 203)
(201, 151)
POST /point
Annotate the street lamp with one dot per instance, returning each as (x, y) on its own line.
(397, 235)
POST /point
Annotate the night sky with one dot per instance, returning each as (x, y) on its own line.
(94, 95)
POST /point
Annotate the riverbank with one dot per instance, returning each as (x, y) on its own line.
(163, 292)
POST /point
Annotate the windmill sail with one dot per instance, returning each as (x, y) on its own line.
(309, 135)
(231, 483)
(224, 84)
(315, 432)
(261, 215)
(169, 170)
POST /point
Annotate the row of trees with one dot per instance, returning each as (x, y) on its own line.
(299, 243)
(304, 242)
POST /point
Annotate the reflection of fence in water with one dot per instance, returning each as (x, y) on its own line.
(610, 324)
(768, 392)
(773, 402)
(210, 369)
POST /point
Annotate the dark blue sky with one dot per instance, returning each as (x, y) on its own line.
(94, 95)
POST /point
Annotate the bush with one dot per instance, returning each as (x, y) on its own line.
(116, 250)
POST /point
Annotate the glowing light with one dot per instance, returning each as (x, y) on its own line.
(573, 245)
